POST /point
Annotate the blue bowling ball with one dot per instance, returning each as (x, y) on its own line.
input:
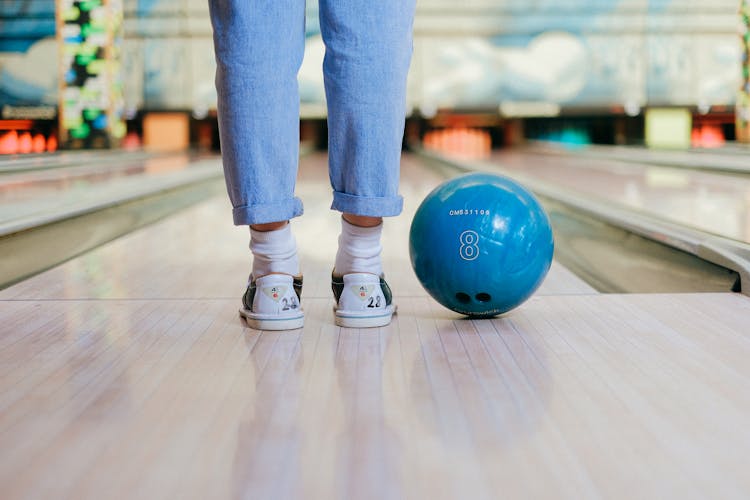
(480, 244)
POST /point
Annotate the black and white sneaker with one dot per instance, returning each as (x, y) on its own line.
(363, 300)
(273, 302)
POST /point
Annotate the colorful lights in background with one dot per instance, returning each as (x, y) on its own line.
(743, 99)
(24, 142)
(91, 95)
(20, 137)
(569, 137)
(526, 62)
(707, 136)
(460, 142)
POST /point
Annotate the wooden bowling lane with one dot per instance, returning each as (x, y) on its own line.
(717, 203)
(126, 373)
(201, 254)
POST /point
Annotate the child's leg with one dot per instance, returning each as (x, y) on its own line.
(259, 47)
(274, 252)
(359, 246)
(368, 51)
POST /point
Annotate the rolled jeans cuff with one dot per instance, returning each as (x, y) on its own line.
(367, 205)
(267, 212)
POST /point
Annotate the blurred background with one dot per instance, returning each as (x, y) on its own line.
(131, 73)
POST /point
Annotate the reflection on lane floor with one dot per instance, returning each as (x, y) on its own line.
(717, 203)
(29, 193)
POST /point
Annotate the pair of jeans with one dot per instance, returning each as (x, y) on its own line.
(259, 47)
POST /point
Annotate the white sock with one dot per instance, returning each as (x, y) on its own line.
(359, 250)
(274, 252)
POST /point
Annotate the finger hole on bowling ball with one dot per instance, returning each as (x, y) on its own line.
(463, 298)
(483, 297)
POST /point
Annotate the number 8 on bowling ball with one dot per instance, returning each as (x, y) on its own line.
(481, 244)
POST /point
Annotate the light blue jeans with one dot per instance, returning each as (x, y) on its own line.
(259, 47)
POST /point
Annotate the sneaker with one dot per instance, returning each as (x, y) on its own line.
(272, 302)
(363, 300)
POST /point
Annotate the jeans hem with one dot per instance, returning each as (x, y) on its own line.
(367, 205)
(267, 212)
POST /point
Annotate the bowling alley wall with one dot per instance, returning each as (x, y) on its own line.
(511, 58)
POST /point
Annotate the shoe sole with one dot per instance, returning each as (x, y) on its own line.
(272, 322)
(354, 320)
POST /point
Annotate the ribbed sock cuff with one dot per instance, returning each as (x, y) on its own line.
(274, 252)
(359, 249)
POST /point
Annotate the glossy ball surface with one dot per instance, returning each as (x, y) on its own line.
(481, 244)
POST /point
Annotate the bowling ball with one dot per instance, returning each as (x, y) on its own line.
(480, 244)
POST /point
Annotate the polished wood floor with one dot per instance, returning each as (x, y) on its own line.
(127, 373)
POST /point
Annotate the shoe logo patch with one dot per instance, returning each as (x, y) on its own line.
(275, 293)
(362, 292)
